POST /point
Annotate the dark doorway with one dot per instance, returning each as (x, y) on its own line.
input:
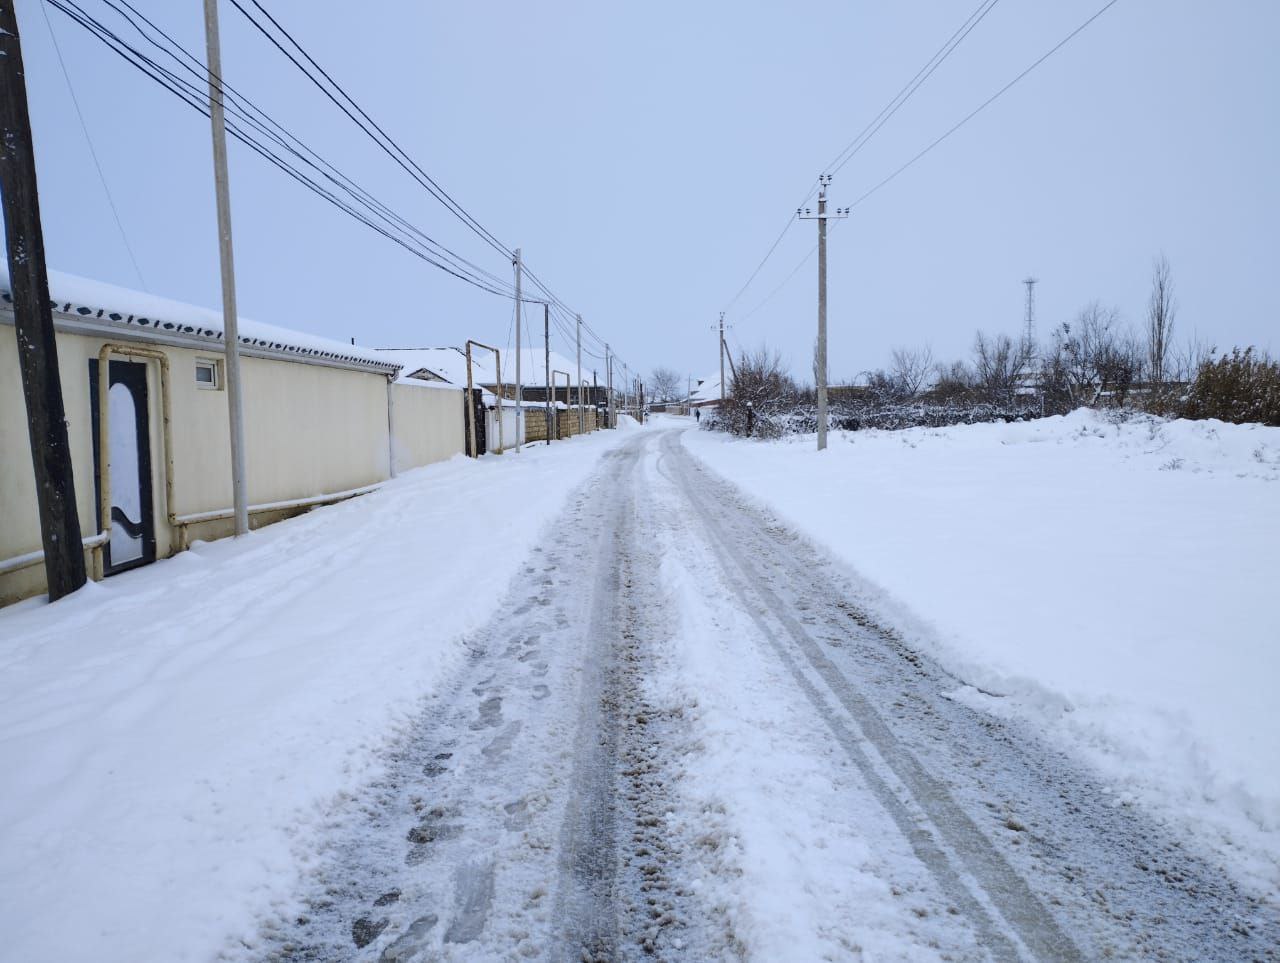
(133, 530)
(473, 410)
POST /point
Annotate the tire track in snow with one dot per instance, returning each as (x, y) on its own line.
(1121, 884)
(586, 901)
(516, 818)
(615, 894)
(1011, 919)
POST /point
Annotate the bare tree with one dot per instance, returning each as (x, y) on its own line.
(999, 364)
(666, 385)
(952, 382)
(1193, 356)
(882, 387)
(761, 378)
(1161, 308)
(909, 369)
(1091, 358)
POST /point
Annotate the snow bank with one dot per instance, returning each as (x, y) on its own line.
(172, 737)
(1113, 581)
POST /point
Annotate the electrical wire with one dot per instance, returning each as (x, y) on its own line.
(191, 94)
(383, 140)
(390, 145)
(873, 127)
(199, 71)
(990, 100)
(912, 85)
(84, 127)
(250, 125)
(968, 117)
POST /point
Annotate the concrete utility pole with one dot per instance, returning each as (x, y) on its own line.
(519, 383)
(546, 348)
(33, 322)
(722, 364)
(581, 423)
(230, 322)
(608, 379)
(821, 361)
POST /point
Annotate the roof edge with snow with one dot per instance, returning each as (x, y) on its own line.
(182, 325)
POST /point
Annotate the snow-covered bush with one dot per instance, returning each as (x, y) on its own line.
(1240, 387)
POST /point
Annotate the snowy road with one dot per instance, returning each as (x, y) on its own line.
(681, 737)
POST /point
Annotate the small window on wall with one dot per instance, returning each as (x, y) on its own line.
(207, 375)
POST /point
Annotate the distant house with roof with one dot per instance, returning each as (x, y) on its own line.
(706, 392)
(449, 365)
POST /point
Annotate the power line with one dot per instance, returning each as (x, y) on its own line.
(257, 130)
(990, 100)
(912, 85)
(383, 140)
(389, 145)
(115, 213)
(986, 103)
(873, 127)
(348, 185)
(194, 97)
(440, 256)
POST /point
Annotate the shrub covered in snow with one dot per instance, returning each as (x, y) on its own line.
(1241, 387)
(800, 416)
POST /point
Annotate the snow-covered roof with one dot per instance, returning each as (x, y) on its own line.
(533, 368)
(707, 390)
(107, 306)
(450, 364)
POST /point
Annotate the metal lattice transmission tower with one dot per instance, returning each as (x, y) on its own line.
(1031, 308)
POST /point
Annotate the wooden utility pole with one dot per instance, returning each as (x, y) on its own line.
(226, 255)
(519, 383)
(33, 321)
(820, 362)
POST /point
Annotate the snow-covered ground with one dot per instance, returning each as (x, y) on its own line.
(705, 750)
(1114, 583)
(172, 737)
(590, 702)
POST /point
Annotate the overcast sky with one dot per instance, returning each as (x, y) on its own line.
(645, 156)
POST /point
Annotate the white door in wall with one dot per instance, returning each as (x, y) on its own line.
(128, 465)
